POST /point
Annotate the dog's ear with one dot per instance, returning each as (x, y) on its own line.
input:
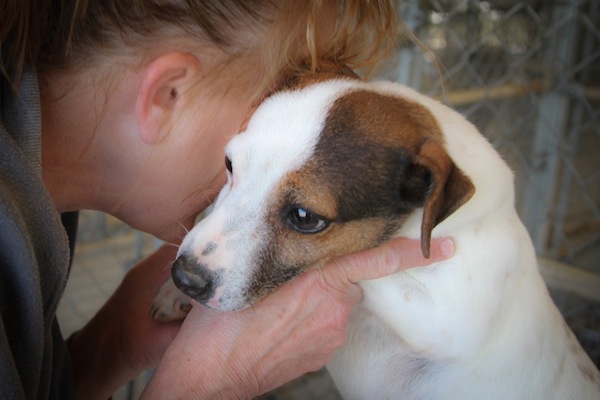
(449, 189)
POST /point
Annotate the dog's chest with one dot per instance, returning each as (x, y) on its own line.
(390, 369)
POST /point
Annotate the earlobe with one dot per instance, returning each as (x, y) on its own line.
(165, 82)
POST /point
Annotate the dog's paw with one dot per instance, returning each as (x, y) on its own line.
(170, 304)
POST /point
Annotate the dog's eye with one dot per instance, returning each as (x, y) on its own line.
(228, 165)
(305, 221)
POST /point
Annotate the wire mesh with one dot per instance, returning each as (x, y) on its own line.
(527, 74)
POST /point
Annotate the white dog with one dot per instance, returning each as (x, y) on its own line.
(335, 165)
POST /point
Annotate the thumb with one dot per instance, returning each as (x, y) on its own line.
(391, 257)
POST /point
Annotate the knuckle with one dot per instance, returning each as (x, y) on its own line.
(330, 281)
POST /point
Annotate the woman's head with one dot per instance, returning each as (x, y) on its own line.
(139, 97)
(277, 34)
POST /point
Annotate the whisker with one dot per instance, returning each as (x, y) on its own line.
(184, 227)
(171, 244)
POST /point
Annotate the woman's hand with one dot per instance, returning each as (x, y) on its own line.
(296, 329)
(122, 340)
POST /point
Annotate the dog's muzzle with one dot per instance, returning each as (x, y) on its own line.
(194, 279)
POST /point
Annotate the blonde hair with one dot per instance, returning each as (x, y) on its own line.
(285, 35)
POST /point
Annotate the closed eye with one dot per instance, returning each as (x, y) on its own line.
(228, 164)
(305, 221)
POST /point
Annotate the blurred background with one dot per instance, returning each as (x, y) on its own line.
(527, 74)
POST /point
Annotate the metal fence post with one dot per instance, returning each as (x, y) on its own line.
(551, 126)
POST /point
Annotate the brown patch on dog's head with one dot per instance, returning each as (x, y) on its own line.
(430, 178)
(378, 158)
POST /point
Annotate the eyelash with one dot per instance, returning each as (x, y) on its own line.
(228, 165)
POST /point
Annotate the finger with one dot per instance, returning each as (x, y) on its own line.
(394, 256)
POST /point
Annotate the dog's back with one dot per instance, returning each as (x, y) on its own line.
(478, 326)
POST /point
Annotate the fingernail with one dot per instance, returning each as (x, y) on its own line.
(447, 247)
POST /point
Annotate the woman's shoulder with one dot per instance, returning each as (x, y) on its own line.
(34, 261)
(33, 244)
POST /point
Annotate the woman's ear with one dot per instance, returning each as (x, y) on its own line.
(165, 79)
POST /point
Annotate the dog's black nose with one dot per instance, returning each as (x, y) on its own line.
(193, 278)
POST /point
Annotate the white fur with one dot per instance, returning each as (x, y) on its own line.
(480, 325)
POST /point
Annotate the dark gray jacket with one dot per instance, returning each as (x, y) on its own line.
(34, 258)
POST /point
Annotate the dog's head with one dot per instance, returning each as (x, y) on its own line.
(323, 169)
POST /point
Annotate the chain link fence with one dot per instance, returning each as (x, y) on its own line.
(527, 74)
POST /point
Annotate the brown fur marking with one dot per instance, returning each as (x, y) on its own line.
(377, 159)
